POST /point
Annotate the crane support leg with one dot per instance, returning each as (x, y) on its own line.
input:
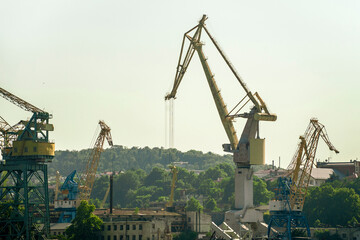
(243, 188)
(24, 201)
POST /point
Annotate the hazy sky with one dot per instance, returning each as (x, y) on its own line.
(88, 60)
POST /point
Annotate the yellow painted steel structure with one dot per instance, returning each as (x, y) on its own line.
(260, 111)
(303, 161)
(93, 162)
(257, 151)
(174, 171)
(31, 148)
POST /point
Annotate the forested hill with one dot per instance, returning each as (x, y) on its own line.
(122, 158)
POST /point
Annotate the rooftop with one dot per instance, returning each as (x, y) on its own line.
(131, 212)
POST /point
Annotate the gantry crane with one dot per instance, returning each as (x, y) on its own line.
(286, 209)
(174, 171)
(26, 148)
(249, 149)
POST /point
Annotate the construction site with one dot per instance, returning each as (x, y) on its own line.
(38, 204)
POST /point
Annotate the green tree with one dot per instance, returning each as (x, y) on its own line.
(343, 202)
(325, 235)
(193, 205)
(211, 205)
(261, 194)
(188, 235)
(85, 225)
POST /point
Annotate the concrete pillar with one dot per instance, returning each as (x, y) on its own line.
(243, 188)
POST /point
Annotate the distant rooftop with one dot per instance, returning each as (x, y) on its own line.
(321, 173)
(131, 212)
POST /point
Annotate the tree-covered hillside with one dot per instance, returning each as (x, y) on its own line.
(122, 158)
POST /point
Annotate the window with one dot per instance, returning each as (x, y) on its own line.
(115, 236)
(108, 238)
(115, 228)
(344, 235)
(127, 237)
(140, 237)
(25, 149)
(134, 227)
(109, 228)
(140, 226)
(121, 237)
(133, 237)
(153, 225)
(34, 149)
(127, 227)
(15, 150)
(121, 227)
(102, 238)
(102, 228)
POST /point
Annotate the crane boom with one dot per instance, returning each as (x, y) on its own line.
(286, 209)
(20, 102)
(93, 161)
(303, 161)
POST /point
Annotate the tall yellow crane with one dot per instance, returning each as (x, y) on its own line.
(174, 171)
(303, 162)
(286, 209)
(247, 150)
(93, 161)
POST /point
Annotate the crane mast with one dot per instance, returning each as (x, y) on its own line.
(93, 161)
(286, 209)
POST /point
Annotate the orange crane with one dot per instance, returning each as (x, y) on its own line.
(93, 161)
(286, 209)
(249, 149)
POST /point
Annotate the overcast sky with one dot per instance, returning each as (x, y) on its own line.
(88, 60)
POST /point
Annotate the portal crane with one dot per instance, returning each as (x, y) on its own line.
(247, 150)
(92, 164)
(26, 149)
(286, 209)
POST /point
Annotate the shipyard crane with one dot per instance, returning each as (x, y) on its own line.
(92, 164)
(249, 149)
(286, 209)
(75, 191)
(174, 171)
(26, 148)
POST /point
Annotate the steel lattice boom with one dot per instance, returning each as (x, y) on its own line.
(93, 161)
(286, 209)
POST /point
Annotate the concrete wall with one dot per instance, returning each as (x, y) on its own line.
(198, 221)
